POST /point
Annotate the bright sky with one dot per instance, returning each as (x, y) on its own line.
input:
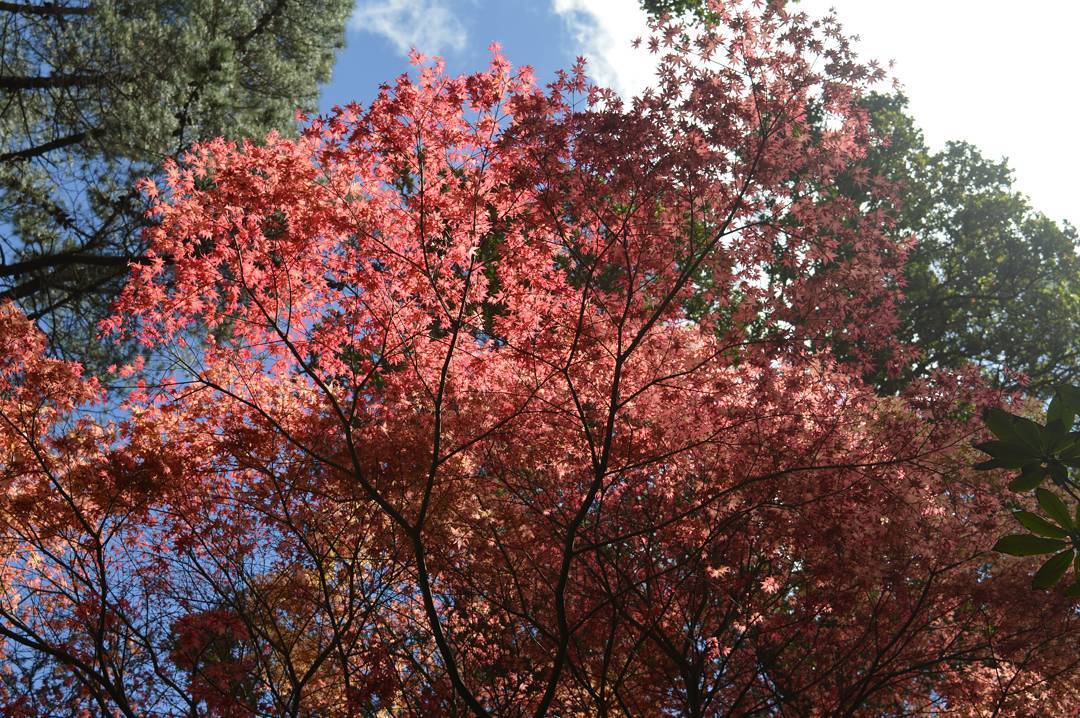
(1000, 74)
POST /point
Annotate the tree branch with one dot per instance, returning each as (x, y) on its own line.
(45, 148)
(48, 9)
(37, 82)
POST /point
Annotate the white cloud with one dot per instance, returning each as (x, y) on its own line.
(605, 30)
(429, 26)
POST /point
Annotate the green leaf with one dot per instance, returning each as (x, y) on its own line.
(1008, 451)
(1007, 455)
(1062, 410)
(1073, 591)
(1062, 442)
(1031, 476)
(1027, 545)
(1055, 435)
(1054, 507)
(1069, 396)
(1074, 436)
(1068, 448)
(1052, 571)
(1033, 435)
(1016, 430)
(1038, 525)
(992, 447)
(1000, 424)
(1058, 473)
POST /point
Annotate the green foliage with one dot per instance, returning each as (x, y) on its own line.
(1040, 451)
(659, 8)
(989, 280)
(96, 96)
(699, 9)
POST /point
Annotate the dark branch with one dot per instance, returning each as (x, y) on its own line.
(65, 260)
(49, 9)
(37, 82)
(45, 148)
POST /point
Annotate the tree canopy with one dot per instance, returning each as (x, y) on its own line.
(989, 280)
(433, 427)
(97, 95)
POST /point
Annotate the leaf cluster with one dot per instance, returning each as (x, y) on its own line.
(987, 272)
(1038, 452)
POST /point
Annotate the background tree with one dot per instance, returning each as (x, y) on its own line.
(97, 95)
(657, 8)
(989, 279)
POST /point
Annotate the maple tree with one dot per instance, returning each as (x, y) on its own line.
(440, 417)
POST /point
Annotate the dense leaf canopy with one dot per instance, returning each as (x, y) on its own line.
(989, 279)
(440, 418)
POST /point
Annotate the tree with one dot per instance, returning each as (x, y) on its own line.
(440, 437)
(989, 280)
(96, 96)
(658, 8)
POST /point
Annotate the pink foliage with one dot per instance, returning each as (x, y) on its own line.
(503, 400)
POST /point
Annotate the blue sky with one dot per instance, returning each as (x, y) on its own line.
(541, 33)
(997, 73)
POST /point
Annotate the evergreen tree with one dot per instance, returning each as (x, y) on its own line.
(95, 96)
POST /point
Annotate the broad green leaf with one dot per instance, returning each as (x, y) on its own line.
(1007, 455)
(1054, 507)
(1000, 424)
(1011, 462)
(1073, 591)
(1062, 443)
(1069, 452)
(1061, 410)
(1033, 435)
(1006, 450)
(1038, 525)
(1055, 434)
(1069, 396)
(1027, 545)
(1015, 430)
(1052, 571)
(1070, 447)
(1031, 476)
